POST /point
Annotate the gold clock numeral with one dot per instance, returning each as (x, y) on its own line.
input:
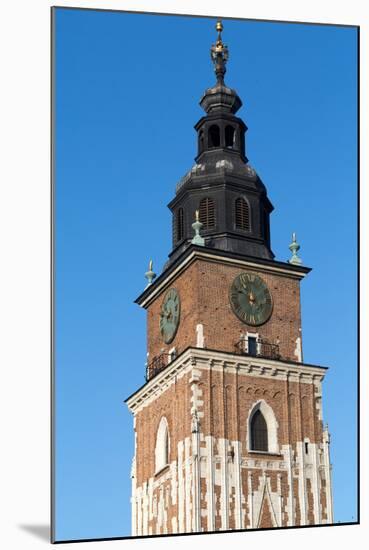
(250, 299)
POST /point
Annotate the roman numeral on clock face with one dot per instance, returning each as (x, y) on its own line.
(250, 299)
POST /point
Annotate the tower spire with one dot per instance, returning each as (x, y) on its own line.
(220, 98)
(231, 199)
(219, 54)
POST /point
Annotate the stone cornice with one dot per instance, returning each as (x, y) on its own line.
(205, 359)
(195, 252)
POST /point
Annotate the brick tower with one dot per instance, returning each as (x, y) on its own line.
(228, 426)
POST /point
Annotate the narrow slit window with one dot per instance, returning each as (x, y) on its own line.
(266, 226)
(201, 141)
(179, 225)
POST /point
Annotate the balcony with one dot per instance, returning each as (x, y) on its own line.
(159, 363)
(257, 347)
(252, 347)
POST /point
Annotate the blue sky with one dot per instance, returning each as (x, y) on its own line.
(127, 88)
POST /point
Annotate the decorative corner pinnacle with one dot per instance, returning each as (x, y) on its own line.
(294, 247)
(150, 275)
(197, 225)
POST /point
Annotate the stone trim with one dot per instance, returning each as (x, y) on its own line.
(152, 501)
(272, 427)
(245, 366)
(145, 301)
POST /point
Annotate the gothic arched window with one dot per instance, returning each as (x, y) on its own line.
(229, 136)
(179, 225)
(214, 136)
(207, 213)
(242, 214)
(162, 445)
(259, 432)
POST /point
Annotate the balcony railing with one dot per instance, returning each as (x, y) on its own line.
(259, 348)
(254, 347)
(159, 363)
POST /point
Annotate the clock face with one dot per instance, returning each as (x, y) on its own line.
(250, 299)
(169, 315)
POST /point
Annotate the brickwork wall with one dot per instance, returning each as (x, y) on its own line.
(323, 499)
(225, 401)
(266, 518)
(310, 499)
(228, 400)
(175, 406)
(284, 491)
(187, 286)
(297, 501)
(204, 294)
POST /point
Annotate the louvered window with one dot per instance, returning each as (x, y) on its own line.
(259, 432)
(207, 213)
(242, 214)
(179, 224)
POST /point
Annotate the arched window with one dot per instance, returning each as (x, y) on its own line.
(214, 136)
(262, 428)
(242, 214)
(259, 432)
(229, 136)
(207, 213)
(179, 224)
(162, 445)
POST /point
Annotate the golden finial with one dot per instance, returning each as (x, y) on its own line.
(197, 215)
(219, 46)
(219, 53)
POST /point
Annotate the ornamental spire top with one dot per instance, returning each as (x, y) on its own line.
(219, 54)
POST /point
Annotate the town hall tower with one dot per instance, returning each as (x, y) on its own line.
(228, 426)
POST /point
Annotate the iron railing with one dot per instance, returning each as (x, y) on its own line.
(159, 363)
(263, 349)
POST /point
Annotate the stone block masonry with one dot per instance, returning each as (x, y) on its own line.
(213, 479)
